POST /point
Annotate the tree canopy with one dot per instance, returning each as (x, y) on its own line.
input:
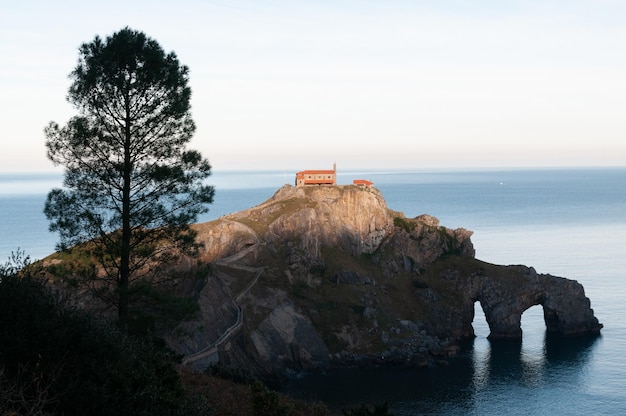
(131, 187)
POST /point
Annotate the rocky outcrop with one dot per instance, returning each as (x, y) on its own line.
(566, 309)
(505, 293)
(319, 276)
(351, 218)
(287, 339)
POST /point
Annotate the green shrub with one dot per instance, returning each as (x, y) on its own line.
(299, 289)
(418, 284)
(379, 410)
(72, 363)
(403, 223)
(235, 375)
(268, 402)
(358, 309)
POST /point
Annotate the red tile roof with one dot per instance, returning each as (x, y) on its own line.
(362, 182)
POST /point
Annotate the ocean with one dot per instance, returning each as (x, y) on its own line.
(566, 222)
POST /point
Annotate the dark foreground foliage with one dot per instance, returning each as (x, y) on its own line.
(243, 394)
(236, 392)
(379, 410)
(59, 361)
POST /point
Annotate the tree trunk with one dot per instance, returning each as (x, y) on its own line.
(124, 276)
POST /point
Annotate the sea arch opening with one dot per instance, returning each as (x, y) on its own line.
(533, 348)
(480, 349)
(479, 322)
(500, 357)
(533, 323)
(513, 321)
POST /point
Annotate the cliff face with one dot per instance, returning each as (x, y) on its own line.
(329, 275)
(330, 216)
(351, 219)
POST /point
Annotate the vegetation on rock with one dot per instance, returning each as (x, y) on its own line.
(57, 360)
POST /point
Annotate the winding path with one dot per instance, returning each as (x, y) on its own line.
(212, 348)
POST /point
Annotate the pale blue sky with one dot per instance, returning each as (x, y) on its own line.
(366, 84)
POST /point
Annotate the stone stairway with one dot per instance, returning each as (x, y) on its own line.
(210, 352)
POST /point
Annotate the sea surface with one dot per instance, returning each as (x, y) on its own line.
(566, 222)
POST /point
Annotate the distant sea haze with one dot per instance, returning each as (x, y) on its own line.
(566, 222)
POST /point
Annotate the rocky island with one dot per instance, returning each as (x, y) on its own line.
(320, 276)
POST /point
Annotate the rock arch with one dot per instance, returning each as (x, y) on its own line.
(566, 309)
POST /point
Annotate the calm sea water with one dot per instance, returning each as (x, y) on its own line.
(567, 222)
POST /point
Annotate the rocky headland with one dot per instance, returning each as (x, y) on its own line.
(329, 275)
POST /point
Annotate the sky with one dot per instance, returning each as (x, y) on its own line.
(392, 84)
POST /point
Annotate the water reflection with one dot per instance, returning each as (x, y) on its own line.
(566, 350)
(485, 379)
(505, 360)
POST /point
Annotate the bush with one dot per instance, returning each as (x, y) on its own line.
(418, 284)
(403, 223)
(235, 375)
(379, 410)
(63, 361)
